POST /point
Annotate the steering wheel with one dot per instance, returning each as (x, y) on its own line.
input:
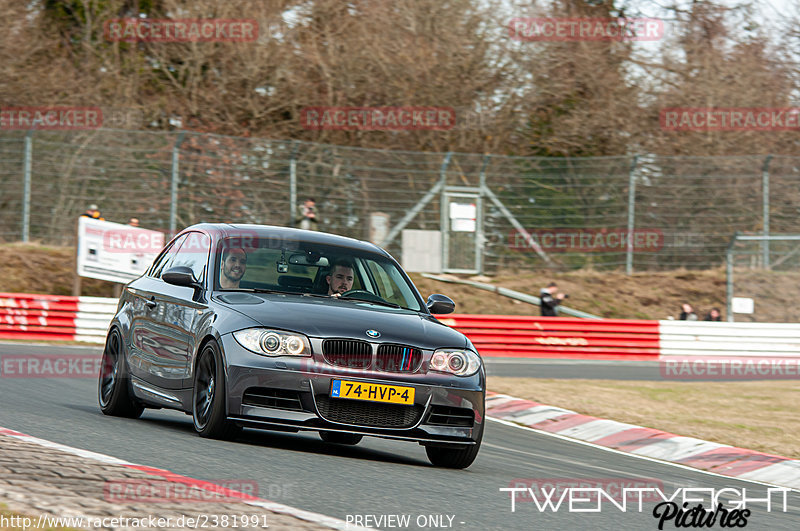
(361, 294)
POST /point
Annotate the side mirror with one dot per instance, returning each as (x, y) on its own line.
(180, 276)
(440, 304)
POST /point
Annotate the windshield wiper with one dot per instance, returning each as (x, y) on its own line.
(266, 290)
(373, 301)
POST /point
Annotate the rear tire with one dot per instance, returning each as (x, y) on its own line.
(337, 437)
(209, 396)
(113, 387)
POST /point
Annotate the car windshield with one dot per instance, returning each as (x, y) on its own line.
(306, 268)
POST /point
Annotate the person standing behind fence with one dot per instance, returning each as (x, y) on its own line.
(92, 212)
(688, 313)
(713, 315)
(550, 298)
(308, 221)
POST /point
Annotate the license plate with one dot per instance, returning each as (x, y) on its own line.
(393, 394)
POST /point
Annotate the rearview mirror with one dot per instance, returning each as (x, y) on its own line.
(180, 276)
(440, 304)
(308, 259)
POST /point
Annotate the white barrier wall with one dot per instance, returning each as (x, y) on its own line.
(705, 338)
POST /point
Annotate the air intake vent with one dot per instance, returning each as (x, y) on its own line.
(398, 358)
(451, 416)
(349, 353)
(274, 398)
(371, 414)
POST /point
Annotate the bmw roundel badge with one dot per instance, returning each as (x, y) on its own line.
(373, 333)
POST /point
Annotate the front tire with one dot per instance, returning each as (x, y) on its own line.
(113, 386)
(457, 456)
(337, 437)
(209, 396)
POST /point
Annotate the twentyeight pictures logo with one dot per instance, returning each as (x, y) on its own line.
(378, 118)
(51, 118)
(730, 118)
(585, 29)
(180, 30)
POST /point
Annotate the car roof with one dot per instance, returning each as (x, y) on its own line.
(224, 230)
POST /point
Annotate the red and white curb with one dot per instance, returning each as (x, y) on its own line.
(710, 456)
(320, 519)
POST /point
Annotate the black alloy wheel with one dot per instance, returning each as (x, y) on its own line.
(113, 388)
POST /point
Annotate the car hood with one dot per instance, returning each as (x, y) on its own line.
(330, 317)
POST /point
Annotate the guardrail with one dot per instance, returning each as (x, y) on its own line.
(53, 317)
(558, 337)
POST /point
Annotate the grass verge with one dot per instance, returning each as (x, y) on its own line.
(759, 415)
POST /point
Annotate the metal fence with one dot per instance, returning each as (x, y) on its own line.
(635, 213)
(762, 274)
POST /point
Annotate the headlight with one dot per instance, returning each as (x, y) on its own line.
(273, 342)
(455, 361)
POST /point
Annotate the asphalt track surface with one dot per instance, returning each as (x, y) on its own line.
(377, 477)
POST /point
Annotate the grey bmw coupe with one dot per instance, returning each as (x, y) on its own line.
(280, 328)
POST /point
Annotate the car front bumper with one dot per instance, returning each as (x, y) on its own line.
(302, 390)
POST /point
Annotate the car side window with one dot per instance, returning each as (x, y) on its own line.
(193, 253)
(166, 258)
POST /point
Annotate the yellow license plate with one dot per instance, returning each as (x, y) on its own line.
(394, 394)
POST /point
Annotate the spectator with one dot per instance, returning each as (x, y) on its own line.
(133, 222)
(92, 212)
(688, 313)
(550, 298)
(713, 315)
(308, 221)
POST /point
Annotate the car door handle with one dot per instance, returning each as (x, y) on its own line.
(151, 303)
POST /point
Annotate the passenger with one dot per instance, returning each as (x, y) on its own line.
(234, 264)
(341, 278)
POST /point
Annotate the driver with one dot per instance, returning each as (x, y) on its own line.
(234, 264)
(341, 278)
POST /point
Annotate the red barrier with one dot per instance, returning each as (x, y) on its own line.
(54, 317)
(558, 337)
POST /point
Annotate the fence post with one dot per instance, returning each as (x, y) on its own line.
(26, 190)
(765, 209)
(729, 278)
(293, 184)
(173, 207)
(481, 232)
(631, 215)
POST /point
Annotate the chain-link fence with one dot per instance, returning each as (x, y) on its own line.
(762, 275)
(636, 213)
